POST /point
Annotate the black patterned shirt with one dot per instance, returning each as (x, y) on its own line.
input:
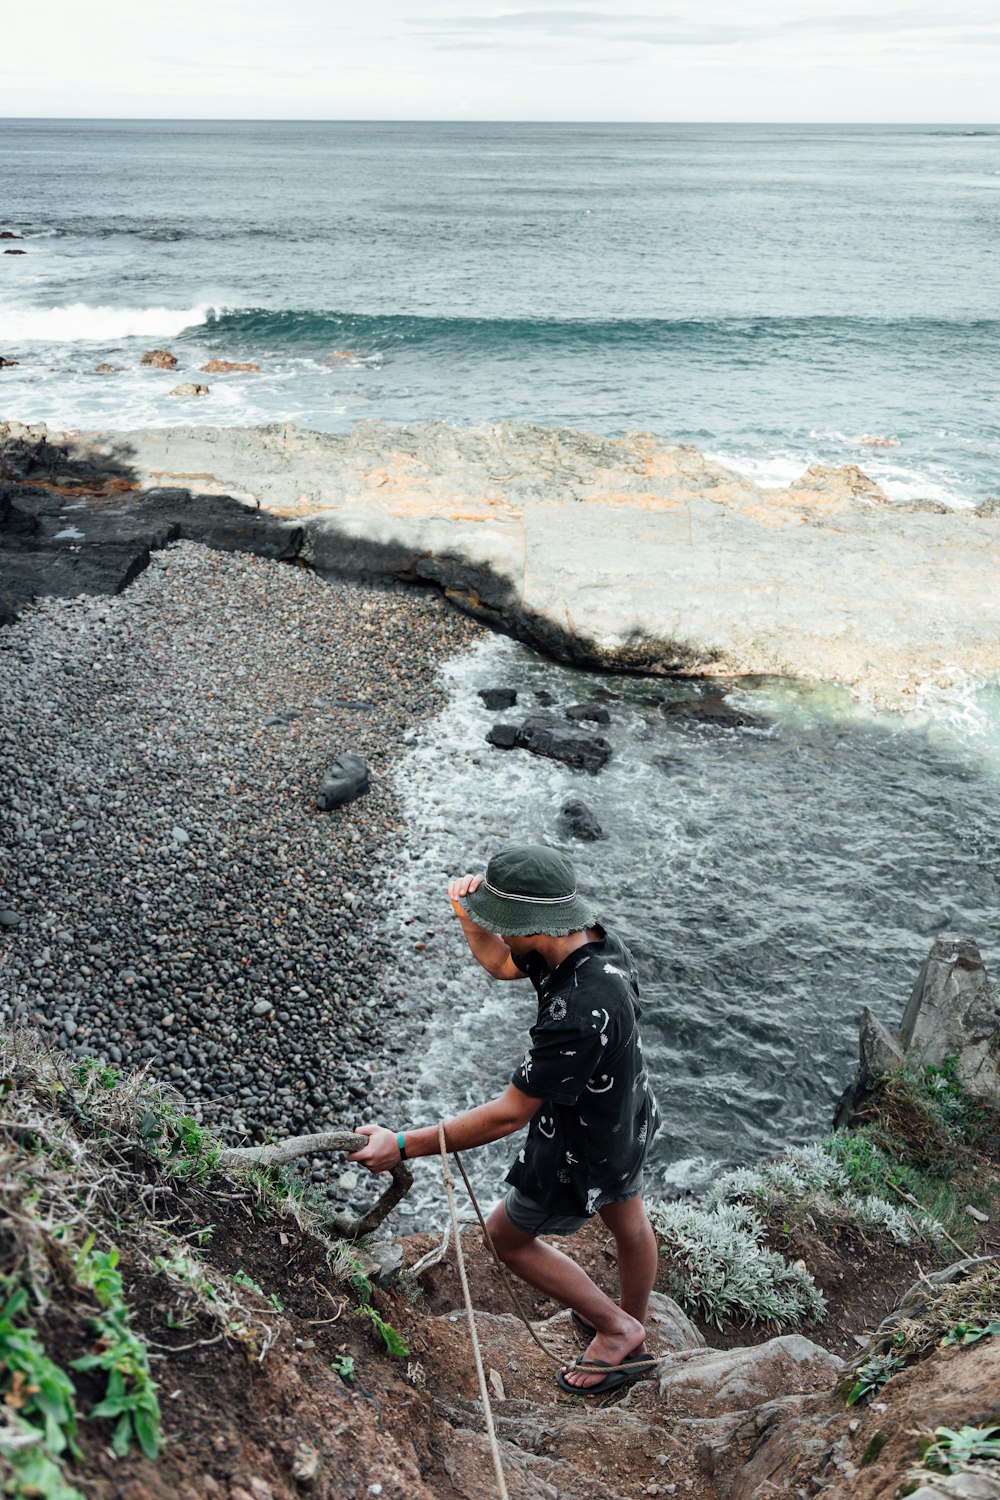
(587, 1143)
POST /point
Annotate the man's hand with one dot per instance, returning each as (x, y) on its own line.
(461, 886)
(486, 947)
(382, 1152)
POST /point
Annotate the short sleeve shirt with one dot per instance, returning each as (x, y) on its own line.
(587, 1144)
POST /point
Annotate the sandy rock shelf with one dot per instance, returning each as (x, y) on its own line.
(626, 553)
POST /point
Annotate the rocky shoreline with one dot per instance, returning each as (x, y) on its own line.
(625, 554)
(172, 893)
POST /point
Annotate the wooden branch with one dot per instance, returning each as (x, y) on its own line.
(296, 1145)
(311, 1145)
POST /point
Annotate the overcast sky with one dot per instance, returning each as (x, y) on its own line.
(856, 60)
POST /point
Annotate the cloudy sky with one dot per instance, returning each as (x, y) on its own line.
(856, 60)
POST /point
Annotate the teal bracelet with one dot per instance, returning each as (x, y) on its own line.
(402, 1148)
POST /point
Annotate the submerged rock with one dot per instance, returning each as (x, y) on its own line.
(592, 712)
(714, 709)
(105, 370)
(498, 697)
(189, 388)
(576, 821)
(7, 364)
(227, 366)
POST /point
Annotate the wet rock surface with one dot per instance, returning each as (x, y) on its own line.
(550, 737)
(577, 821)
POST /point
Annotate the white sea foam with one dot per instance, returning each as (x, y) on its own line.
(79, 323)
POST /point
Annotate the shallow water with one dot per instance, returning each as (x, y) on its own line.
(769, 882)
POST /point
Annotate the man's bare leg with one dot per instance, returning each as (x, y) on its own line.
(638, 1256)
(543, 1266)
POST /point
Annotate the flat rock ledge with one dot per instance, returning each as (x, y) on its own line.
(622, 553)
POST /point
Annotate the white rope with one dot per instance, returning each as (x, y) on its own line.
(460, 1257)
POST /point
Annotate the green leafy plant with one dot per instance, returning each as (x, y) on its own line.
(37, 1387)
(872, 1376)
(952, 1448)
(970, 1333)
(394, 1342)
(130, 1398)
(344, 1366)
(191, 1152)
(35, 1475)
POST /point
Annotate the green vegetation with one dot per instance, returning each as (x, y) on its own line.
(952, 1450)
(33, 1385)
(130, 1399)
(88, 1154)
(872, 1376)
(725, 1273)
(344, 1367)
(394, 1343)
(907, 1172)
(242, 1279)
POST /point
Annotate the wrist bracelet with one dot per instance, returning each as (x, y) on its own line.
(402, 1148)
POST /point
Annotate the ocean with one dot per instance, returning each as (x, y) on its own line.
(772, 294)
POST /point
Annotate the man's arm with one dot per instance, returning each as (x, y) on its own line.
(486, 947)
(474, 1127)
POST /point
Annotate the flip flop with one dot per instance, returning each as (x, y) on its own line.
(586, 1329)
(633, 1367)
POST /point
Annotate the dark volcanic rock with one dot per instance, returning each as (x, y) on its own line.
(588, 711)
(346, 780)
(74, 523)
(503, 736)
(577, 821)
(545, 698)
(553, 739)
(498, 698)
(713, 709)
(15, 252)
(8, 234)
(7, 364)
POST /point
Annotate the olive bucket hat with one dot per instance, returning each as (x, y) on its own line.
(529, 889)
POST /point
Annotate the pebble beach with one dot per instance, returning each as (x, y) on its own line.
(170, 890)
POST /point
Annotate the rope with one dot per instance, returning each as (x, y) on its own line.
(460, 1257)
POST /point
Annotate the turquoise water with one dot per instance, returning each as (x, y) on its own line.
(772, 294)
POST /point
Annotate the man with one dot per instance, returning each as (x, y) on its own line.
(583, 1091)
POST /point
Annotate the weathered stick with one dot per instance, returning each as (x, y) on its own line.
(297, 1145)
(311, 1145)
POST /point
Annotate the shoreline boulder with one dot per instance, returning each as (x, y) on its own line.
(227, 367)
(189, 388)
(159, 359)
(952, 1012)
(346, 780)
(554, 740)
